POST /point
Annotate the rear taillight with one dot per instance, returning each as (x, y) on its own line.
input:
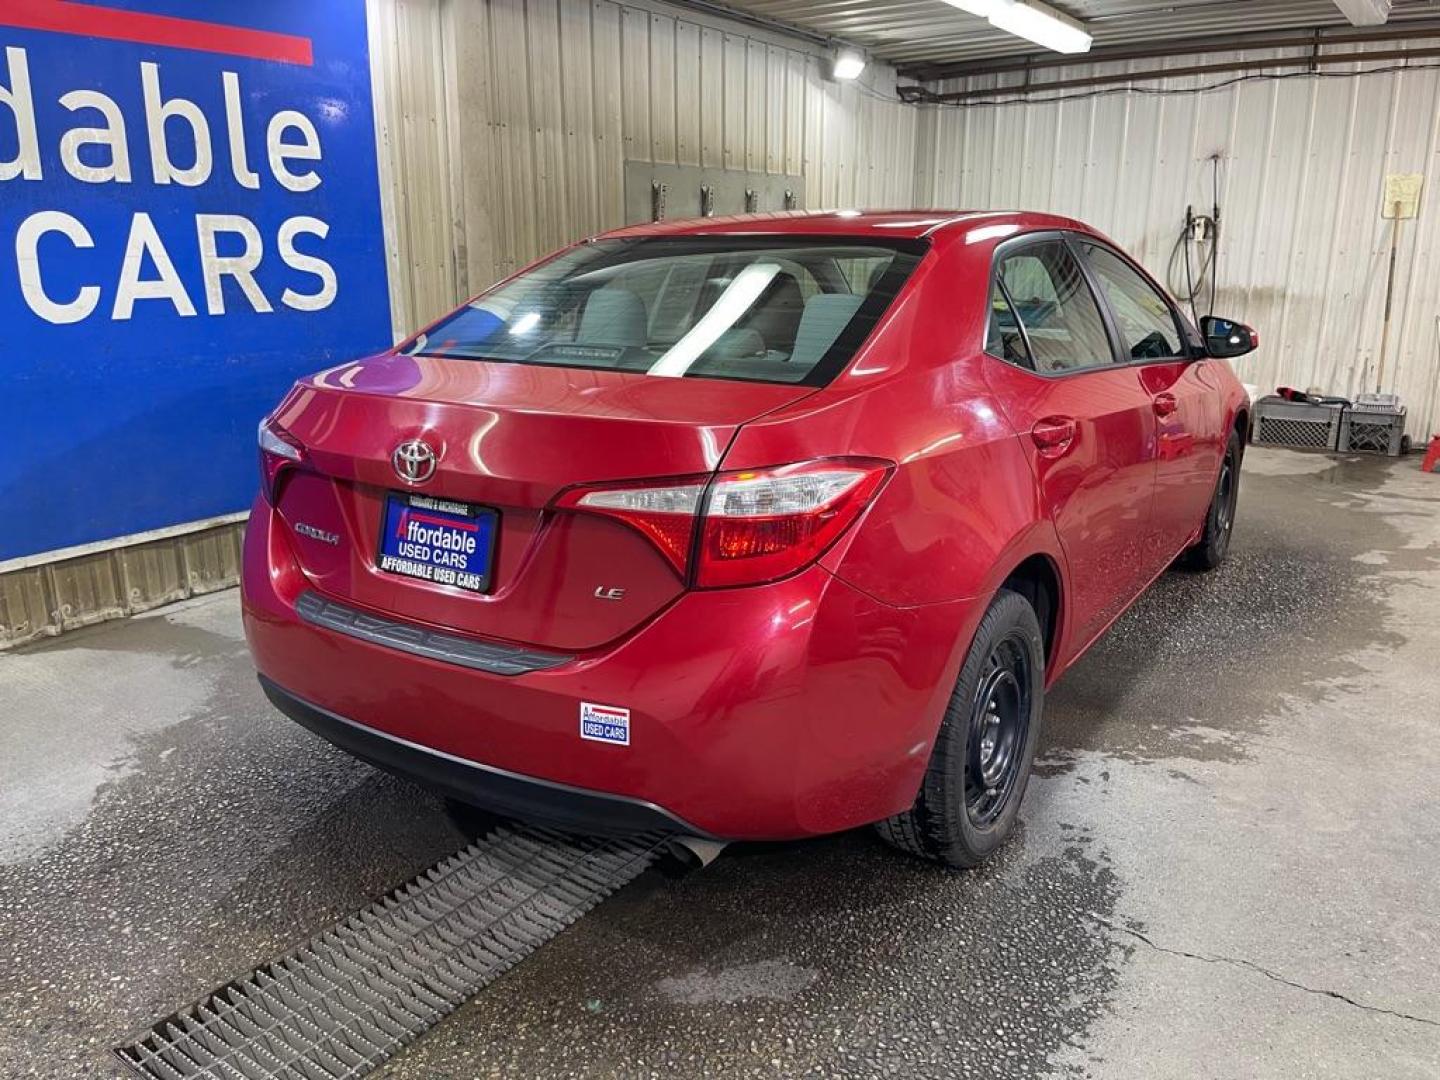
(765, 524)
(278, 451)
(664, 510)
(755, 525)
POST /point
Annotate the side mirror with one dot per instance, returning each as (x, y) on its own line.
(1225, 338)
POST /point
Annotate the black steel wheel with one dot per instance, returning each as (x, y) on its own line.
(1214, 543)
(980, 765)
(999, 724)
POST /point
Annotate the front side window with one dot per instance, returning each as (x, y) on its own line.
(1042, 289)
(1147, 325)
(791, 311)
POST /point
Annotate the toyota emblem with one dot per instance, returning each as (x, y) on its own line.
(414, 461)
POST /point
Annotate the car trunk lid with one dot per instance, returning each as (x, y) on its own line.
(507, 438)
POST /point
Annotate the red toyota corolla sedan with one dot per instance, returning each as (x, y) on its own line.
(756, 528)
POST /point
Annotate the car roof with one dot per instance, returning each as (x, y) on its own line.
(872, 224)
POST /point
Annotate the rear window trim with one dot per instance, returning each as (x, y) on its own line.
(1016, 245)
(910, 251)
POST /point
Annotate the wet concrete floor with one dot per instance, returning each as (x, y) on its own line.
(1229, 863)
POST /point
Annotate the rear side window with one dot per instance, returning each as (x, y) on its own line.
(791, 310)
(1041, 289)
(1003, 338)
(1147, 326)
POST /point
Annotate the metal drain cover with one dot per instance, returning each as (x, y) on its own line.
(351, 997)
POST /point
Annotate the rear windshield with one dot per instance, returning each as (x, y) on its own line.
(786, 310)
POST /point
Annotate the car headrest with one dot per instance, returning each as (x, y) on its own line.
(738, 342)
(825, 315)
(776, 313)
(614, 316)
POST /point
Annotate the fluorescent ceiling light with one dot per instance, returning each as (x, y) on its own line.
(848, 65)
(1365, 12)
(1047, 27)
(1041, 24)
(982, 8)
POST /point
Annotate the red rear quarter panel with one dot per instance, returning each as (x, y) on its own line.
(961, 509)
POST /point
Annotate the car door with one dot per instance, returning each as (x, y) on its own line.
(1183, 393)
(1087, 423)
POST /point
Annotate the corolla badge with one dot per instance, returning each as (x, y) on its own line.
(306, 529)
(414, 461)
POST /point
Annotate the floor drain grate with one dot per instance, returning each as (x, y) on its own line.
(351, 997)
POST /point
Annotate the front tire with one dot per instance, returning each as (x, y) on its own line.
(1214, 544)
(970, 796)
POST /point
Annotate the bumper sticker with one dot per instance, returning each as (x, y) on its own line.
(605, 723)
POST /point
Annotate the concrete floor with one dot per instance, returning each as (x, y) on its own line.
(1229, 865)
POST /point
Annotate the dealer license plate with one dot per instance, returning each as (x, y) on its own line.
(438, 540)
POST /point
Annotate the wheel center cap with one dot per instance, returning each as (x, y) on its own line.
(997, 727)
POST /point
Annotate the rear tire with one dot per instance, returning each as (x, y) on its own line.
(970, 796)
(1214, 544)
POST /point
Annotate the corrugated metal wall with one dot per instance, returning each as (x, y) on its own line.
(50, 598)
(1303, 249)
(505, 125)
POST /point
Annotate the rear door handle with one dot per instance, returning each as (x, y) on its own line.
(1165, 404)
(1054, 435)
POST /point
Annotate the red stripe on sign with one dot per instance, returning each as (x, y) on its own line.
(91, 20)
(468, 526)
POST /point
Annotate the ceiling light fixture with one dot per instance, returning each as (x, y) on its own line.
(848, 64)
(980, 8)
(1031, 20)
(1365, 12)
(1041, 24)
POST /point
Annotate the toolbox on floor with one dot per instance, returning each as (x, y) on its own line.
(1297, 423)
(1374, 424)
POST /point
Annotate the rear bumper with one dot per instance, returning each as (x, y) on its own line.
(779, 711)
(527, 798)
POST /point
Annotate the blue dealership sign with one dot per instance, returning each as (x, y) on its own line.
(189, 219)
